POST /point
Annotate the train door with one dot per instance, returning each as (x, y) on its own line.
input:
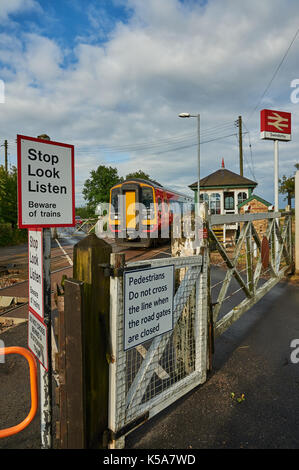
(130, 210)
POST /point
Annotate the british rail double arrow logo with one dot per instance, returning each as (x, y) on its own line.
(279, 122)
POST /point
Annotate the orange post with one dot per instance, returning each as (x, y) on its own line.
(33, 389)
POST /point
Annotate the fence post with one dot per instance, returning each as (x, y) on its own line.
(118, 357)
(249, 260)
(297, 222)
(70, 430)
(91, 256)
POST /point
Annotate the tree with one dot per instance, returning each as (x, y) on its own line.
(138, 174)
(97, 188)
(84, 212)
(8, 196)
(287, 186)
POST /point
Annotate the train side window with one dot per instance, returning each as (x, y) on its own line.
(159, 201)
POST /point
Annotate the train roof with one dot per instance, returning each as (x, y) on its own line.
(155, 184)
(140, 180)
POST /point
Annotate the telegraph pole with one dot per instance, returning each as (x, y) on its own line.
(5, 154)
(240, 145)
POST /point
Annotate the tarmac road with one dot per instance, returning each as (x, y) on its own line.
(252, 358)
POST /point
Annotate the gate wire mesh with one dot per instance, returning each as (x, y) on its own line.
(167, 359)
(248, 263)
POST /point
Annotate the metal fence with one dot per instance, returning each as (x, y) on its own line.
(146, 379)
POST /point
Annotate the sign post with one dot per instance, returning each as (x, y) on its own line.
(45, 200)
(276, 173)
(46, 374)
(276, 125)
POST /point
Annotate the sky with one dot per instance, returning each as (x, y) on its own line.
(112, 76)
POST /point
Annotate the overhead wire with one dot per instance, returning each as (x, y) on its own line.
(275, 73)
(264, 94)
(163, 145)
(195, 144)
(171, 138)
(166, 144)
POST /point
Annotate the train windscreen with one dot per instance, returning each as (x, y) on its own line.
(147, 196)
(114, 198)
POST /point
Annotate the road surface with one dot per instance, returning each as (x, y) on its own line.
(251, 358)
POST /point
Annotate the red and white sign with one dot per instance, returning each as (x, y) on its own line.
(275, 125)
(203, 233)
(37, 339)
(37, 330)
(35, 272)
(46, 183)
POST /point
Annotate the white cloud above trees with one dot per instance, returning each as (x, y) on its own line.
(215, 59)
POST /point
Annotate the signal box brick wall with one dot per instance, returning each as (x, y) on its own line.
(257, 206)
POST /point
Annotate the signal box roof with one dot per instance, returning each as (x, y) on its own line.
(224, 178)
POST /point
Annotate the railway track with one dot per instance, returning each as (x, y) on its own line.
(16, 281)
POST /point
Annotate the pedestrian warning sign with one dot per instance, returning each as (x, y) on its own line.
(148, 304)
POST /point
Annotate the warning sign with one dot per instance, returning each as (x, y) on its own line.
(46, 195)
(35, 267)
(37, 339)
(148, 304)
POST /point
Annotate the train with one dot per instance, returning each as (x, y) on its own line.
(142, 211)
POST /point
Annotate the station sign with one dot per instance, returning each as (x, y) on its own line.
(275, 125)
(46, 183)
(35, 272)
(148, 304)
(37, 339)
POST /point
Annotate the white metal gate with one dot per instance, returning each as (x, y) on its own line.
(208, 299)
(251, 266)
(146, 379)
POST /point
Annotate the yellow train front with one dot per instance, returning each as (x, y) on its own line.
(142, 211)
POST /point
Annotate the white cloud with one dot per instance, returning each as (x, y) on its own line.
(216, 60)
(17, 6)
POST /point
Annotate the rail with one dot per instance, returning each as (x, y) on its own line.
(33, 389)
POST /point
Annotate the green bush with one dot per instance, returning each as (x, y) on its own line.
(19, 236)
(10, 236)
(6, 234)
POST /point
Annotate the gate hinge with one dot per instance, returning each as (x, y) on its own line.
(110, 271)
(128, 427)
